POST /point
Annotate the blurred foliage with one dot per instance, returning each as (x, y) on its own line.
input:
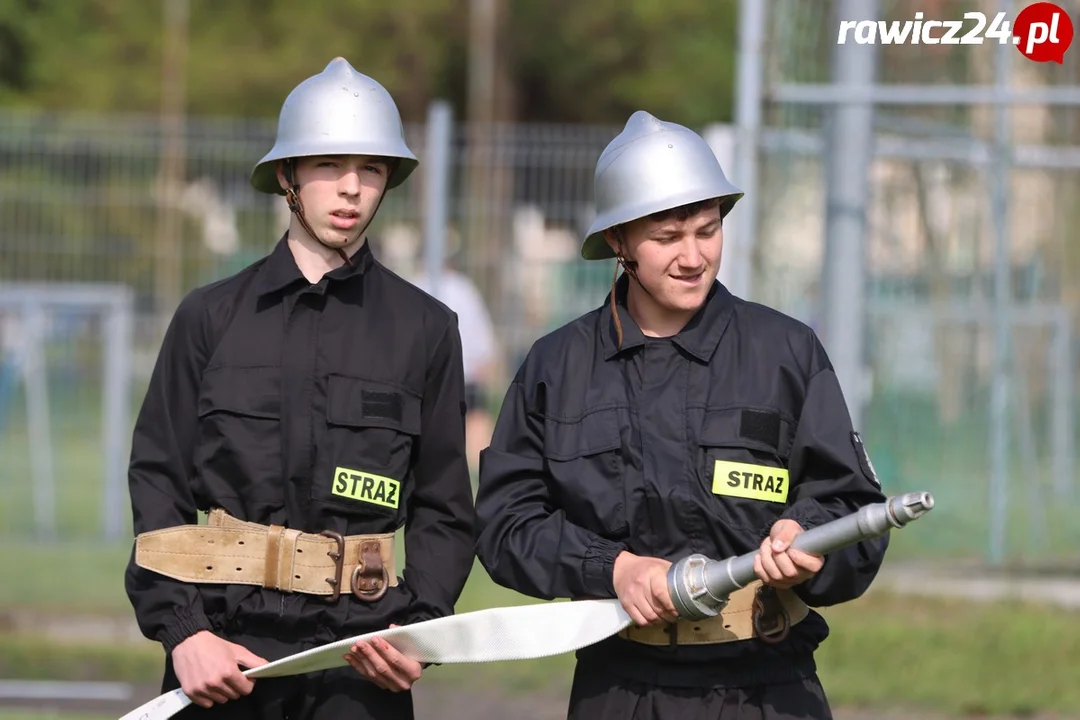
(598, 61)
(565, 61)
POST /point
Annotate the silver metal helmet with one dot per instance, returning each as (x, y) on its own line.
(652, 166)
(337, 112)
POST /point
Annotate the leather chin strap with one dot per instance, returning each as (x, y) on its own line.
(630, 268)
(292, 196)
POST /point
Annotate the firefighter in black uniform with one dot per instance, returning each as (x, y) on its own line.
(312, 405)
(677, 419)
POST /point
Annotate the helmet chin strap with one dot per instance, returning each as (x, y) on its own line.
(630, 267)
(292, 197)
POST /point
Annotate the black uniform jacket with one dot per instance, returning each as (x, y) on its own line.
(264, 387)
(695, 443)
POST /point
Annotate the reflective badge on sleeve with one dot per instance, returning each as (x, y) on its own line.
(864, 459)
(753, 482)
(365, 487)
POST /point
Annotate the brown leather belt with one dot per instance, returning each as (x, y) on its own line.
(755, 611)
(231, 551)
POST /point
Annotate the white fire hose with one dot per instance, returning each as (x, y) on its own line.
(699, 587)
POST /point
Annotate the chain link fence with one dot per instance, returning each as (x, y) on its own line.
(85, 202)
(966, 372)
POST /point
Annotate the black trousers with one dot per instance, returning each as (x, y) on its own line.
(600, 696)
(326, 695)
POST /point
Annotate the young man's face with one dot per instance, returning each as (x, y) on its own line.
(677, 260)
(339, 194)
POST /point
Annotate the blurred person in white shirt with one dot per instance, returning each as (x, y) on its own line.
(456, 290)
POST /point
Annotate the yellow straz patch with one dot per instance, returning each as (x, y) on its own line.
(365, 487)
(753, 482)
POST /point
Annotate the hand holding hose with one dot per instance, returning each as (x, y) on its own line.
(779, 564)
(642, 587)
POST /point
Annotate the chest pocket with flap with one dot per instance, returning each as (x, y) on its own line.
(743, 466)
(584, 460)
(238, 447)
(366, 455)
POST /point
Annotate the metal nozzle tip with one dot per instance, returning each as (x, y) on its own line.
(910, 506)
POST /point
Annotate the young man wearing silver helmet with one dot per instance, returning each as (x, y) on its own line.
(677, 419)
(312, 404)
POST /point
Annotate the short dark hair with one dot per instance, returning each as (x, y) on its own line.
(685, 211)
(680, 213)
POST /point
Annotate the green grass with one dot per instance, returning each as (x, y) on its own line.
(65, 578)
(952, 657)
(27, 658)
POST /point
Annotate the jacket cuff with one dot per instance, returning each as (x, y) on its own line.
(598, 568)
(809, 514)
(806, 512)
(185, 623)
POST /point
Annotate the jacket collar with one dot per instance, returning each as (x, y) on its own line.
(281, 271)
(699, 337)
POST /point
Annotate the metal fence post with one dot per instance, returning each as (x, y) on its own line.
(999, 396)
(37, 411)
(436, 190)
(750, 80)
(117, 356)
(851, 151)
(1063, 408)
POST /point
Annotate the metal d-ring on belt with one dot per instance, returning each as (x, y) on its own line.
(369, 580)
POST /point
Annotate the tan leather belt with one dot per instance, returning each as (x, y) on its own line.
(773, 611)
(227, 550)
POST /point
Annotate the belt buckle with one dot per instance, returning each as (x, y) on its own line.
(338, 556)
(370, 580)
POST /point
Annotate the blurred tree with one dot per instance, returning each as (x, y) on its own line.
(245, 55)
(568, 61)
(94, 54)
(599, 61)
